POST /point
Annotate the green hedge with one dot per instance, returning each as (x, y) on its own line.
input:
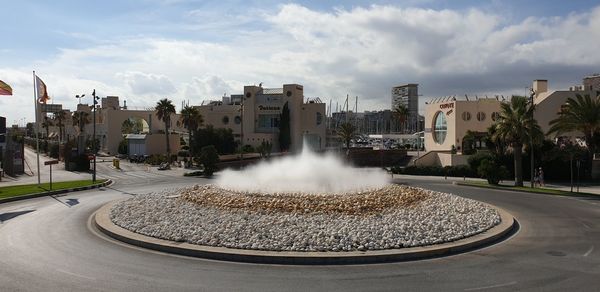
(457, 171)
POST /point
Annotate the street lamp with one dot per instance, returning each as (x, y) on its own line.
(531, 96)
(79, 97)
(95, 99)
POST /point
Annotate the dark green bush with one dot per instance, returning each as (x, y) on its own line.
(492, 171)
(123, 147)
(53, 151)
(457, 171)
(209, 159)
(156, 159)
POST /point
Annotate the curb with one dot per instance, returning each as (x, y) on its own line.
(102, 221)
(586, 195)
(57, 192)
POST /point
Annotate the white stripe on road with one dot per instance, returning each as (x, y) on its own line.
(589, 251)
(492, 286)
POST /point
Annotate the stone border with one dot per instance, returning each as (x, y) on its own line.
(101, 219)
(57, 192)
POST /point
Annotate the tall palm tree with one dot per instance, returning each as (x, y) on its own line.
(191, 119)
(164, 108)
(60, 117)
(515, 127)
(80, 119)
(580, 114)
(347, 132)
(46, 124)
(401, 113)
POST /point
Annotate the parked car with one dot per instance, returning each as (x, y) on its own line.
(164, 166)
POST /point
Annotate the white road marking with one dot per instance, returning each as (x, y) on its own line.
(492, 286)
(585, 225)
(76, 275)
(589, 251)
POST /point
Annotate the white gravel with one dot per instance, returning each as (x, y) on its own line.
(439, 218)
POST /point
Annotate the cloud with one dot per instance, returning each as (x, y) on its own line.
(141, 83)
(361, 51)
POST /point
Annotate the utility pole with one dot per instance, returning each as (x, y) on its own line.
(94, 135)
(531, 95)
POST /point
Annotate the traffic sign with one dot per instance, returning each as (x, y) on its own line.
(50, 162)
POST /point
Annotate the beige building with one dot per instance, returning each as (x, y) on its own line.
(110, 119)
(447, 121)
(254, 116)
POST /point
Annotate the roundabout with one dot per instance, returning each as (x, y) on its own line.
(304, 209)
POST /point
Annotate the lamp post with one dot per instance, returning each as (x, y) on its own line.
(95, 102)
(531, 96)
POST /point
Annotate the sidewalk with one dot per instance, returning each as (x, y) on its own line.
(583, 188)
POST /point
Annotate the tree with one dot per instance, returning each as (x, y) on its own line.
(285, 137)
(60, 117)
(580, 114)
(191, 120)
(515, 127)
(164, 108)
(46, 124)
(209, 159)
(221, 138)
(347, 132)
(400, 114)
(80, 119)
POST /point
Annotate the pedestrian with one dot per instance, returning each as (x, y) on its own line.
(536, 178)
(541, 177)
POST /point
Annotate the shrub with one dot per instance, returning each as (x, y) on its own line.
(475, 160)
(54, 151)
(123, 147)
(457, 171)
(490, 170)
(209, 159)
(156, 159)
(248, 149)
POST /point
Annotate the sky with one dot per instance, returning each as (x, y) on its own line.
(146, 50)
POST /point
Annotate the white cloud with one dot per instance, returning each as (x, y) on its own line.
(363, 51)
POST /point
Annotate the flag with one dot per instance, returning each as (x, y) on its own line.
(5, 88)
(42, 93)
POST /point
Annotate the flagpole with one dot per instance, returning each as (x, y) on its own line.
(37, 127)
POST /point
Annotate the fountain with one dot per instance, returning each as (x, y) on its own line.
(304, 203)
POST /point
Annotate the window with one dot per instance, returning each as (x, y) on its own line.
(440, 127)
(225, 120)
(319, 118)
(268, 123)
(466, 116)
(481, 116)
(237, 120)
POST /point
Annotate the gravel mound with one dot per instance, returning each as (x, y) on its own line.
(400, 217)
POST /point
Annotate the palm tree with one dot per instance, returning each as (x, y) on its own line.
(80, 119)
(515, 127)
(580, 114)
(164, 108)
(46, 124)
(347, 132)
(401, 113)
(60, 117)
(191, 120)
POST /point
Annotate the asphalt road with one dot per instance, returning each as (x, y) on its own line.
(48, 244)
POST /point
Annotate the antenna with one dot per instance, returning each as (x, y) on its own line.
(467, 97)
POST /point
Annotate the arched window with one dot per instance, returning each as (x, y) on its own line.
(225, 120)
(440, 127)
(481, 116)
(466, 116)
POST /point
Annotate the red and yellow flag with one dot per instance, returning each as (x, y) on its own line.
(5, 88)
(42, 92)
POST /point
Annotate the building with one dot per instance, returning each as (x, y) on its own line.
(111, 121)
(255, 116)
(548, 104)
(407, 95)
(447, 121)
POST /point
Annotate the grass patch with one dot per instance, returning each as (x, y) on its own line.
(537, 190)
(21, 190)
